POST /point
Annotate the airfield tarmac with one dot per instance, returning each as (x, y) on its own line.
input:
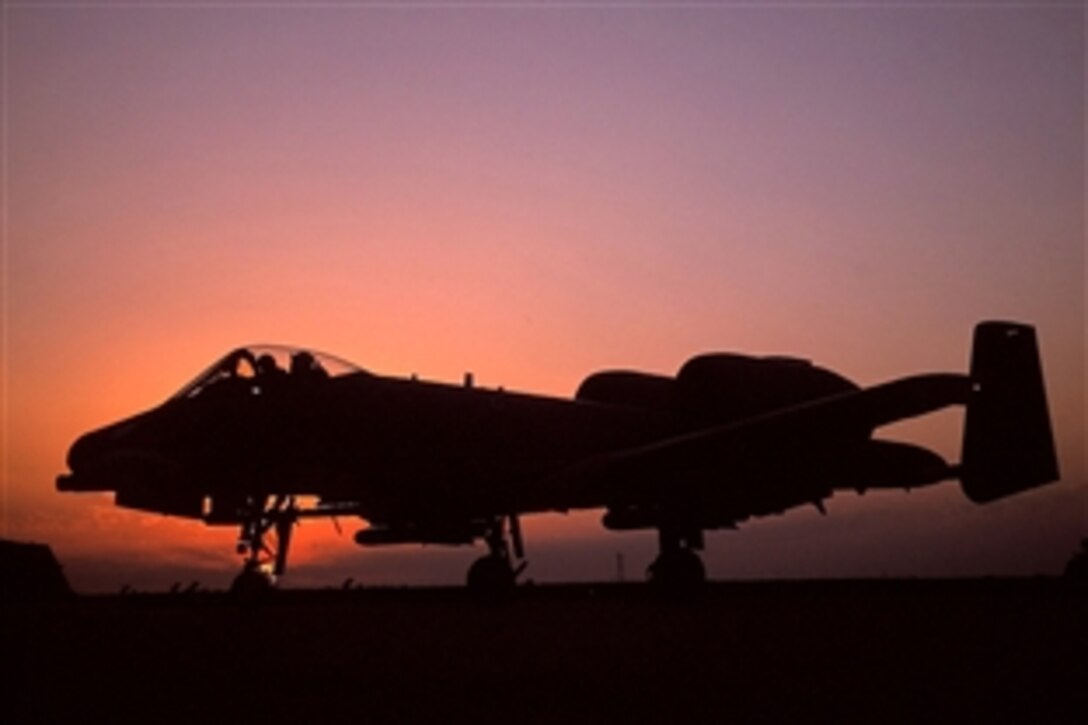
(994, 650)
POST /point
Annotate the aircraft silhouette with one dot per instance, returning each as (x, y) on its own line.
(729, 437)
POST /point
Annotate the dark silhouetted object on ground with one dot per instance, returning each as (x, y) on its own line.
(30, 573)
(728, 438)
(1076, 570)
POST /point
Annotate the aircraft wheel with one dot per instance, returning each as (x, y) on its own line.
(251, 582)
(677, 569)
(491, 575)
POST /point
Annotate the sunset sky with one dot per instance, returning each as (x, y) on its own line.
(532, 193)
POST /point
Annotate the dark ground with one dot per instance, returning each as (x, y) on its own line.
(875, 651)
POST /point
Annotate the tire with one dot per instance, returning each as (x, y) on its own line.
(679, 569)
(490, 575)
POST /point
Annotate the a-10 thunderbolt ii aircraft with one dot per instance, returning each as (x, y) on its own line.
(269, 435)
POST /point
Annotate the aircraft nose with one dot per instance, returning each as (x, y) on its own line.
(84, 450)
(90, 457)
(81, 462)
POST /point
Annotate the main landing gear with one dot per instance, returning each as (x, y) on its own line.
(263, 562)
(678, 566)
(496, 572)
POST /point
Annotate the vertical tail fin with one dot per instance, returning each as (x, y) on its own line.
(1008, 444)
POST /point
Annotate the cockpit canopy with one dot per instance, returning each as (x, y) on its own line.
(259, 365)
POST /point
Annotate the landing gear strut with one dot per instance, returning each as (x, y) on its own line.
(677, 566)
(263, 563)
(496, 572)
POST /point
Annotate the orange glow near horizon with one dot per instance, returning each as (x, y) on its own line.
(531, 196)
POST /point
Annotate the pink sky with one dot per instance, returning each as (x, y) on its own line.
(532, 194)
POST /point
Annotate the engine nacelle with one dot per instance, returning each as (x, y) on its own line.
(718, 387)
(627, 388)
(724, 387)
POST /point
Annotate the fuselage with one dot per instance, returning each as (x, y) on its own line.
(383, 445)
(402, 451)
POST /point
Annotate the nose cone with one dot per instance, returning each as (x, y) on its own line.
(130, 458)
(82, 456)
(93, 458)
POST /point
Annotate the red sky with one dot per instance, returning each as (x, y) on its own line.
(532, 194)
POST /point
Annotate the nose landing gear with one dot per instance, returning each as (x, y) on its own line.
(264, 563)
